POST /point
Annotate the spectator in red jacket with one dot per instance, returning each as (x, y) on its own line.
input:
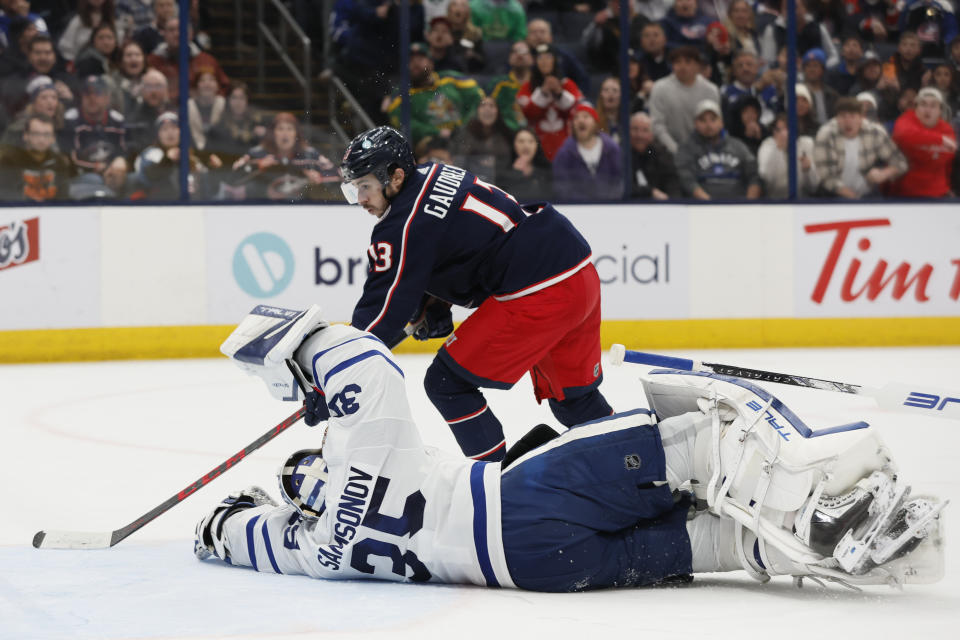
(929, 143)
(546, 100)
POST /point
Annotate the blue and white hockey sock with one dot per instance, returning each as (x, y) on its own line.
(679, 435)
(713, 545)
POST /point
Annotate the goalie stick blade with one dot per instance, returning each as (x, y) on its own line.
(72, 540)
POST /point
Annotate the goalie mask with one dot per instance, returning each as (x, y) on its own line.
(303, 482)
(264, 342)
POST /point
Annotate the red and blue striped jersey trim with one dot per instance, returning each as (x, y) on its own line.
(403, 250)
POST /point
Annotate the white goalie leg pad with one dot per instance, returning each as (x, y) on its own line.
(264, 342)
(759, 450)
(761, 466)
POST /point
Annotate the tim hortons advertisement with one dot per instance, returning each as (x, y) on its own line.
(49, 268)
(883, 261)
(295, 256)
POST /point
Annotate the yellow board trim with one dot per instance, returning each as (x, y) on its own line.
(151, 343)
(120, 343)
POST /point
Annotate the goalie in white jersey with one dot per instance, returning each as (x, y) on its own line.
(609, 503)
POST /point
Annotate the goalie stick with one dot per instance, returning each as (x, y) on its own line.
(102, 540)
(939, 403)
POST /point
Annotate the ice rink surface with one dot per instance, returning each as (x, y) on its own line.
(93, 446)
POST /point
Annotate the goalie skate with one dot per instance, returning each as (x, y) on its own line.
(869, 526)
(894, 527)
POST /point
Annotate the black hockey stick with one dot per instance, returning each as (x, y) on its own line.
(939, 403)
(106, 539)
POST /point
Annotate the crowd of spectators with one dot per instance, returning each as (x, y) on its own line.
(528, 93)
(89, 110)
(525, 93)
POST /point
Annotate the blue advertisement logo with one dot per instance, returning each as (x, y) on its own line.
(263, 265)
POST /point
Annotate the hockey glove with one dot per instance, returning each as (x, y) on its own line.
(316, 405)
(209, 539)
(434, 321)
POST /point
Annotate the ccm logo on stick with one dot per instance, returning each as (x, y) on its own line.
(928, 401)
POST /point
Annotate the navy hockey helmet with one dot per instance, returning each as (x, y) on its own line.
(378, 151)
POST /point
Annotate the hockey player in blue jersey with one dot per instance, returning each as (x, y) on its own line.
(607, 504)
(445, 237)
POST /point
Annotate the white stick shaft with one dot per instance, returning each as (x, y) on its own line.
(918, 399)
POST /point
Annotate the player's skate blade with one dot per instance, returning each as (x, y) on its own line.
(895, 527)
(911, 524)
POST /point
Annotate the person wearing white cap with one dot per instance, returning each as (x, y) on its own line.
(807, 124)
(156, 169)
(929, 143)
(855, 156)
(868, 104)
(712, 165)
